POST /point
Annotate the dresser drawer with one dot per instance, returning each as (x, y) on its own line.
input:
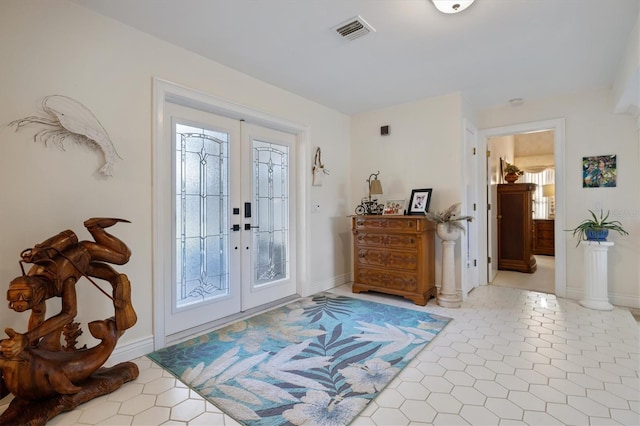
(393, 241)
(545, 234)
(544, 237)
(382, 223)
(387, 259)
(400, 281)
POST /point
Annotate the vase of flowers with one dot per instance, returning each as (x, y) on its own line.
(448, 223)
(512, 173)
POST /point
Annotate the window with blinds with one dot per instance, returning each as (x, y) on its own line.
(542, 205)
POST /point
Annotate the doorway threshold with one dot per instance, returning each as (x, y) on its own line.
(214, 325)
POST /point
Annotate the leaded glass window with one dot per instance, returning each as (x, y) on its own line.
(202, 238)
(271, 201)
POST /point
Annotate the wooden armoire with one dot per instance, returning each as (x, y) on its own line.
(515, 227)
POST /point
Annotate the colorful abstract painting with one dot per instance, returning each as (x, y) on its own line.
(599, 171)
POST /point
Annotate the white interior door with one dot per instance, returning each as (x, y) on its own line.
(232, 207)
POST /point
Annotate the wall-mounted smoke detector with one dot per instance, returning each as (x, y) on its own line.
(354, 28)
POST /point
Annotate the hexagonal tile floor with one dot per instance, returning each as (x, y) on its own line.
(509, 356)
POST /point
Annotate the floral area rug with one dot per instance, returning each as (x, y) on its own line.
(318, 360)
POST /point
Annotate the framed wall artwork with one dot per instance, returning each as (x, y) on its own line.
(599, 171)
(393, 207)
(419, 202)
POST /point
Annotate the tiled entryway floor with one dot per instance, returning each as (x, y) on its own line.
(509, 357)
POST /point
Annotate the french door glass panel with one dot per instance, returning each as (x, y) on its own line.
(202, 228)
(271, 200)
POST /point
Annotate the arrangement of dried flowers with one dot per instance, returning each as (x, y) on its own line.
(450, 217)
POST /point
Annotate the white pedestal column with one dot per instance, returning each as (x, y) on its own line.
(595, 275)
(448, 297)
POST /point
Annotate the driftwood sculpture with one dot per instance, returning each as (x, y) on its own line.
(45, 376)
(67, 117)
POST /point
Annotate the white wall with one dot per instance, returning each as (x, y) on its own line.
(626, 86)
(502, 147)
(61, 48)
(592, 128)
(423, 150)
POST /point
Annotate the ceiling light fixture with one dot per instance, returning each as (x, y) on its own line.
(451, 6)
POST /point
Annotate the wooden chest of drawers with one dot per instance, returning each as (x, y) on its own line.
(394, 255)
(544, 237)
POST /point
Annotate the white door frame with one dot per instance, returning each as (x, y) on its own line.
(470, 240)
(558, 127)
(165, 91)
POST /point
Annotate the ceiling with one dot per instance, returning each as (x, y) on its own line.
(534, 143)
(492, 52)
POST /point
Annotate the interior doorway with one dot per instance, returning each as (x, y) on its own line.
(485, 225)
(533, 154)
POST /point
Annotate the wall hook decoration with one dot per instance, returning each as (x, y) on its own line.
(318, 169)
(69, 118)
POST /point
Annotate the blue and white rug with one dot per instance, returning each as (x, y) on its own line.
(319, 360)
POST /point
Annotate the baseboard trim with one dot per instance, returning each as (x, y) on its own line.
(617, 299)
(130, 351)
(624, 300)
(329, 284)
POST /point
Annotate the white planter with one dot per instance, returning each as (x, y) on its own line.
(447, 233)
(596, 295)
(448, 296)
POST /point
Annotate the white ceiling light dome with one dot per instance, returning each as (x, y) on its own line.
(451, 6)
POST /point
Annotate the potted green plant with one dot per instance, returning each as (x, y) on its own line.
(597, 228)
(512, 172)
(448, 221)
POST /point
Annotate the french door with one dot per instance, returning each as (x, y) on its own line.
(268, 261)
(233, 231)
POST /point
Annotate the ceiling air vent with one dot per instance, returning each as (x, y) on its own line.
(354, 28)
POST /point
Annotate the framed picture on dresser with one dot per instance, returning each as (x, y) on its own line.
(393, 207)
(419, 202)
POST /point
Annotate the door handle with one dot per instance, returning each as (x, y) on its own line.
(236, 227)
(247, 226)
